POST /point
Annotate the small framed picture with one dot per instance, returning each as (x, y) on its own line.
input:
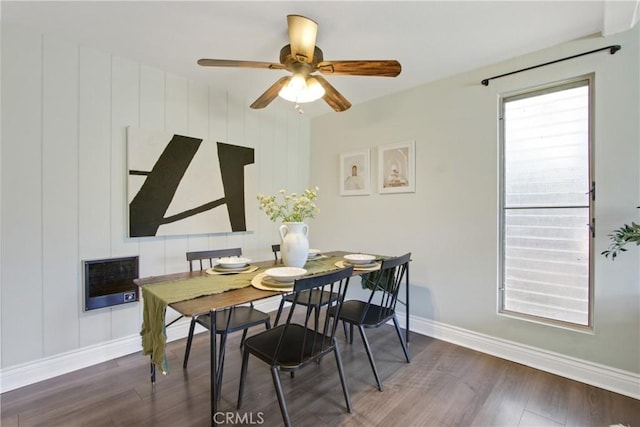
(355, 173)
(396, 168)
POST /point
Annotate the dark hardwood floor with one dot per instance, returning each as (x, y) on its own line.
(444, 385)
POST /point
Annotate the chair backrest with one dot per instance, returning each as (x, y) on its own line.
(320, 328)
(385, 286)
(276, 250)
(201, 257)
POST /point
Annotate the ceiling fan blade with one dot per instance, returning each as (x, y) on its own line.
(302, 36)
(270, 94)
(389, 68)
(242, 64)
(332, 96)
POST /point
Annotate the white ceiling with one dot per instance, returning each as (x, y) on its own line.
(431, 39)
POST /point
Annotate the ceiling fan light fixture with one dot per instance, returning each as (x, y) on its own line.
(315, 90)
(297, 83)
(300, 91)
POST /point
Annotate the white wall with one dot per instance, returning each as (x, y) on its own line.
(450, 223)
(65, 109)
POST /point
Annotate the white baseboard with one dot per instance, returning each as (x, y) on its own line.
(608, 378)
(32, 372)
(616, 380)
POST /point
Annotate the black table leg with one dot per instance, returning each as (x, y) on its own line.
(406, 331)
(152, 367)
(214, 376)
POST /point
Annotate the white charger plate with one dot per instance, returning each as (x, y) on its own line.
(259, 282)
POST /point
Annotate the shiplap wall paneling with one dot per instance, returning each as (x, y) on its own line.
(176, 121)
(265, 154)
(307, 181)
(198, 125)
(125, 95)
(21, 196)
(95, 183)
(152, 116)
(251, 140)
(281, 158)
(298, 161)
(218, 115)
(64, 183)
(304, 135)
(296, 182)
(236, 136)
(280, 138)
(62, 301)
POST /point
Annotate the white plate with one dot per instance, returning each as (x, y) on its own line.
(285, 274)
(314, 253)
(362, 267)
(358, 266)
(357, 259)
(232, 262)
(224, 269)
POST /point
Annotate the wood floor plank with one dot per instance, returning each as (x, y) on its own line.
(507, 400)
(591, 406)
(531, 419)
(549, 397)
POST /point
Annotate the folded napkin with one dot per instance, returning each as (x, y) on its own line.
(378, 279)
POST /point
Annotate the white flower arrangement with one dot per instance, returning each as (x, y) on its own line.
(293, 208)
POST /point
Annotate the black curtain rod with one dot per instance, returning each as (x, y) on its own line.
(612, 49)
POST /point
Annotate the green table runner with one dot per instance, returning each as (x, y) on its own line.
(158, 296)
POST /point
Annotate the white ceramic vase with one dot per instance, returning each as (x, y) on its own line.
(294, 248)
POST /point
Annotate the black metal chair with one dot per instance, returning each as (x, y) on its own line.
(290, 346)
(276, 251)
(230, 320)
(317, 296)
(201, 258)
(381, 305)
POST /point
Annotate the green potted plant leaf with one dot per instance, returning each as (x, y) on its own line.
(622, 236)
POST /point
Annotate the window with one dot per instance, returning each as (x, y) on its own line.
(546, 203)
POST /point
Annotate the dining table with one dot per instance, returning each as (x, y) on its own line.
(195, 293)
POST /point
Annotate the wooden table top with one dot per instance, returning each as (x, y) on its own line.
(204, 304)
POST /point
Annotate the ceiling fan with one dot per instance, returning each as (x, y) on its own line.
(302, 58)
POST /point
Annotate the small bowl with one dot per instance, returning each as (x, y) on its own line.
(285, 274)
(357, 259)
(232, 262)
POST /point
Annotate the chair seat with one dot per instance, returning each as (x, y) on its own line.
(316, 296)
(241, 318)
(352, 310)
(264, 345)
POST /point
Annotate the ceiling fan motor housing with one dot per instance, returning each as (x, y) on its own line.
(299, 64)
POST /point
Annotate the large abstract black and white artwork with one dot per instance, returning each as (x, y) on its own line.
(184, 185)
